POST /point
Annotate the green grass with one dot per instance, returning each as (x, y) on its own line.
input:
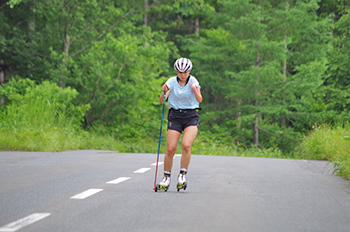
(46, 138)
(41, 125)
(323, 143)
(329, 143)
(35, 123)
(201, 146)
(55, 139)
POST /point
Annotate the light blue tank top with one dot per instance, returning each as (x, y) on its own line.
(182, 97)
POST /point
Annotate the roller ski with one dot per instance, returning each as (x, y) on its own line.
(181, 181)
(164, 184)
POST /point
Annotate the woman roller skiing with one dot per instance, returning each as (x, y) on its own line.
(184, 95)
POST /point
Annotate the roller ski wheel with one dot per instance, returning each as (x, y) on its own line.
(181, 180)
(181, 186)
(161, 188)
(164, 184)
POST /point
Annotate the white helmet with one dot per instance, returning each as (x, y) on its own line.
(183, 65)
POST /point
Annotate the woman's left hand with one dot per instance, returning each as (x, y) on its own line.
(193, 86)
(197, 92)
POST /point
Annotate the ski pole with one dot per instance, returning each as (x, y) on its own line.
(160, 139)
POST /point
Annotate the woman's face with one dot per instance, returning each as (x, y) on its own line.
(183, 75)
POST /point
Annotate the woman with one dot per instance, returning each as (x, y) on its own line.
(184, 95)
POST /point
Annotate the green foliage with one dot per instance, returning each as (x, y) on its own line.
(41, 104)
(338, 82)
(280, 65)
(267, 69)
(325, 142)
(39, 114)
(119, 78)
(332, 144)
(12, 3)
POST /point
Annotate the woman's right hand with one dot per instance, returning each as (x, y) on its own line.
(165, 87)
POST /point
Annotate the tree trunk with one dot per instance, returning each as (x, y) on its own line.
(145, 20)
(256, 131)
(66, 47)
(283, 118)
(178, 22)
(239, 114)
(31, 23)
(66, 43)
(196, 26)
(145, 16)
(2, 78)
(256, 102)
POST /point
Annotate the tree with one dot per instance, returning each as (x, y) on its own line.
(253, 70)
(337, 85)
(94, 46)
(117, 74)
(267, 67)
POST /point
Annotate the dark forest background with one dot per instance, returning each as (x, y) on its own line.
(271, 71)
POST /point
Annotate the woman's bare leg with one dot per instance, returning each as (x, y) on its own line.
(188, 138)
(173, 137)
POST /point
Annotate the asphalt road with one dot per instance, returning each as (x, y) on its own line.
(84, 191)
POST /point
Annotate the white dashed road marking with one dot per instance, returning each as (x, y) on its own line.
(142, 170)
(16, 225)
(159, 163)
(86, 194)
(118, 180)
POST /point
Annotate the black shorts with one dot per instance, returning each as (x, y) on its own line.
(180, 119)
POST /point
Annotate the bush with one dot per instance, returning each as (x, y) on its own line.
(39, 117)
(326, 143)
